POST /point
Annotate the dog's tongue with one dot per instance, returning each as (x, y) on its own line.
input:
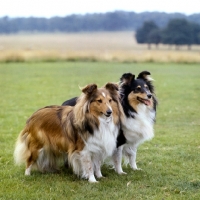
(147, 102)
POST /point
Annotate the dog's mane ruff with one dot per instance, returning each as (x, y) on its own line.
(124, 85)
(69, 128)
(119, 113)
(83, 120)
(123, 90)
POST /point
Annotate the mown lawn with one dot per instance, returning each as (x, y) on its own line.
(170, 162)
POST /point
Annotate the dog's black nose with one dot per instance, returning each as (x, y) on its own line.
(149, 96)
(108, 112)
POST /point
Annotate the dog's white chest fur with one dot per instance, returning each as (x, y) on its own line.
(103, 142)
(139, 128)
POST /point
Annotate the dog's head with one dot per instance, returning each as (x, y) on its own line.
(97, 104)
(100, 101)
(135, 91)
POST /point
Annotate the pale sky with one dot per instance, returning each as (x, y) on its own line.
(50, 8)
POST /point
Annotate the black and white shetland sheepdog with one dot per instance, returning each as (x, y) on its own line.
(139, 104)
(86, 134)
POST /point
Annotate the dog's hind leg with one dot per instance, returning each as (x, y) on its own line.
(31, 160)
(28, 170)
(29, 165)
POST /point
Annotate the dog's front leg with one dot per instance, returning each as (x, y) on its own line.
(117, 160)
(97, 167)
(131, 153)
(88, 168)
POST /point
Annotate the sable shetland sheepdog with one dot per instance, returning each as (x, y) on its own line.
(139, 104)
(86, 133)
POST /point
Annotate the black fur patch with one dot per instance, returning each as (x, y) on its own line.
(121, 138)
(89, 128)
(70, 102)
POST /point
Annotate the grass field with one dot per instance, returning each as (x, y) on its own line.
(97, 46)
(170, 162)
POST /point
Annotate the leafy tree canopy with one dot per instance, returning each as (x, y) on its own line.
(178, 31)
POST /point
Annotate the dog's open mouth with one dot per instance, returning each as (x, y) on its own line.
(147, 102)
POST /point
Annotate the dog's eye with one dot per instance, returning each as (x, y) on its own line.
(99, 100)
(110, 100)
(138, 89)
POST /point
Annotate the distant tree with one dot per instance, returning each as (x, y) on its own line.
(178, 32)
(196, 32)
(147, 33)
(4, 28)
(154, 37)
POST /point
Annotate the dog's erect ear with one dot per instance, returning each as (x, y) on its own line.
(112, 87)
(127, 78)
(89, 89)
(145, 75)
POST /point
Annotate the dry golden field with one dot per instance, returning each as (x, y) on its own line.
(98, 46)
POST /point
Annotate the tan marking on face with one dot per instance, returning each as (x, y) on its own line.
(132, 98)
(134, 102)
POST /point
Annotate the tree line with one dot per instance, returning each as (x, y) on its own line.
(177, 32)
(110, 21)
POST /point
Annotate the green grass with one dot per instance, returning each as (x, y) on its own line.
(170, 162)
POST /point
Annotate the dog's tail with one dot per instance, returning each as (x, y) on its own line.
(22, 152)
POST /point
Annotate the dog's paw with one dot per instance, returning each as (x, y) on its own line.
(27, 172)
(137, 169)
(122, 173)
(101, 177)
(93, 181)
